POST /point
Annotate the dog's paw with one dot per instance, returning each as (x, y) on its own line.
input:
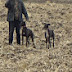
(34, 46)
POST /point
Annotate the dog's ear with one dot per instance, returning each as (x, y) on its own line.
(45, 26)
(48, 24)
(23, 23)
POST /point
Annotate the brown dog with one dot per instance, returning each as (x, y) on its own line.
(27, 33)
(48, 34)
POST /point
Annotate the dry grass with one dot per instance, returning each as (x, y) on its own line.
(17, 58)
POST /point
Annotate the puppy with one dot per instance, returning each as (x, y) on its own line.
(27, 33)
(48, 34)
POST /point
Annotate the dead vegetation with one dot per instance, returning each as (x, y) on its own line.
(17, 58)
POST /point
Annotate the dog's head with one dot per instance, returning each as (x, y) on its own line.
(46, 26)
(23, 24)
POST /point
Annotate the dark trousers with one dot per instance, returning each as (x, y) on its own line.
(12, 25)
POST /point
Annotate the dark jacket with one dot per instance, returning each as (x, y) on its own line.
(10, 5)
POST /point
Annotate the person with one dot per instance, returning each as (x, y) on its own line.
(15, 10)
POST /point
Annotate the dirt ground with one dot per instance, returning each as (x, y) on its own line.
(19, 58)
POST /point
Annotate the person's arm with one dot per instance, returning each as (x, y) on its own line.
(24, 12)
(7, 4)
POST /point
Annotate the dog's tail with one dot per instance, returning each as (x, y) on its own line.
(53, 38)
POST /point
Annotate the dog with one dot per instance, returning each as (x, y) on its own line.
(48, 34)
(27, 33)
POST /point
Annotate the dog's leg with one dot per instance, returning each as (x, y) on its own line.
(33, 41)
(27, 40)
(49, 42)
(53, 41)
(22, 39)
(46, 43)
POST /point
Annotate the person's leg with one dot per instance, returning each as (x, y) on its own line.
(11, 30)
(17, 24)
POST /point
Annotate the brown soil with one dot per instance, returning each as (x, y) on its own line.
(19, 58)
